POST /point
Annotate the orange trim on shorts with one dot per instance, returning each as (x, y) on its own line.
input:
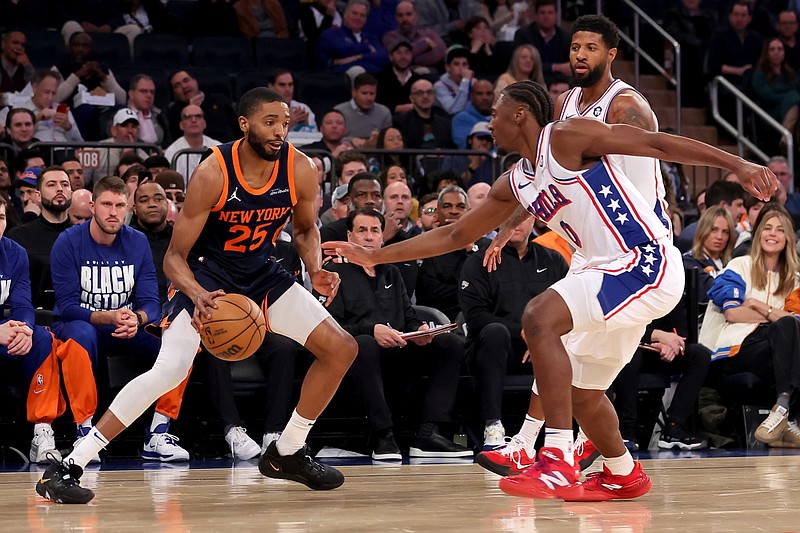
(265, 312)
(240, 175)
(290, 174)
(224, 193)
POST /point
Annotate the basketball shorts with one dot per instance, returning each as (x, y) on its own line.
(612, 304)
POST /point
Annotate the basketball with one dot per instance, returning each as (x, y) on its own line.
(236, 328)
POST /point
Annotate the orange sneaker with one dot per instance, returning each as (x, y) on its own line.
(509, 460)
(602, 486)
(551, 477)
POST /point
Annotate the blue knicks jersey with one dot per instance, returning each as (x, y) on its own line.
(240, 233)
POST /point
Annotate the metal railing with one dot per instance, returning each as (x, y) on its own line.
(88, 153)
(742, 141)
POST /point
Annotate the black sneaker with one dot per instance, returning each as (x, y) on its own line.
(386, 448)
(300, 467)
(437, 446)
(61, 484)
(677, 436)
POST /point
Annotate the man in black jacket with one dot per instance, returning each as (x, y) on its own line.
(493, 303)
(150, 208)
(373, 307)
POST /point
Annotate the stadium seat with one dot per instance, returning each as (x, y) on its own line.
(44, 48)
(322, 90)
(213, 80)
(230, 54)
(165, 51)
(111, 49)
(287, 53)
(249, 79)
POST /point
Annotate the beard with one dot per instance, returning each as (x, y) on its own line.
(590, 78)
(56, 208)
(257, 144)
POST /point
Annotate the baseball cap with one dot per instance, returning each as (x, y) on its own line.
(124, 115)
(400, 42)
(169, 179)
(28, 178)
(339, 193)
(481, 129)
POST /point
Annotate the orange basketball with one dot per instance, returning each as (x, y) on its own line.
(236, 328)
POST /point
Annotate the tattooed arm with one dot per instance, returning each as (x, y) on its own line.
(630, 107)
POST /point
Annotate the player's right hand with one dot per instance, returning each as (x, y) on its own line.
(203, 306)
(347, 252)
(757, 180)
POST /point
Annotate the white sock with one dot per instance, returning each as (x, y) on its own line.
(561, 439)
(158, 419)
(41, 425)
(620, 466)
(294, 435)
(529, 432)
(88, 448)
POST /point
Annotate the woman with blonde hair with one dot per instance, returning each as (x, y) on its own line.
(525, 64)
(747, 328)
(711, 248)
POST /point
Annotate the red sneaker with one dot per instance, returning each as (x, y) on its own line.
(551, 477)
(509, 460)
(602, 486)
(585, 452)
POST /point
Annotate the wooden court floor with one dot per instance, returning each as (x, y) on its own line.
(689, 495)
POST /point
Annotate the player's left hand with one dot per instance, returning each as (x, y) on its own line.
(757, 180)
(422, 341)
(347, 252)
(326, 283)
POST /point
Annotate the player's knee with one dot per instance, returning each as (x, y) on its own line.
(81, 332)
(535, 321)
(347, 350)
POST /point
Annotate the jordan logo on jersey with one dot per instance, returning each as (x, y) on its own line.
(547, 203)
(233, 196)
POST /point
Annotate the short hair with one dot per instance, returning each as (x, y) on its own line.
(26, 155)
(109, 183)
(254, 98)
(741, 3)
(275, 73)
(16, 111)
(137, 78)
(156, 161)
(431, 196)
(348, 156)
(141, 172)
(367, 211)
(452, 188)
(362, 176)
(778, 158)
(364, 3)
(454, 52)
(724, 191)
(76, 35)
(534, 97)
(470, 24)
(542, 3)
(363, 79)
(600, 25)
(129, 159)
(71, 159)
(136, 192)
(51, 168)
(40, 75)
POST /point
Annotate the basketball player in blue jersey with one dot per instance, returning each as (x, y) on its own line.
(238, 200)
(633, 273)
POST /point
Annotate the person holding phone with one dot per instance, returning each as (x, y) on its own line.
(54, 122)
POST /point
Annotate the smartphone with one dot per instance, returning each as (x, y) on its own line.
(62, 108)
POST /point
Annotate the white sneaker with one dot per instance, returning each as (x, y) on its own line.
(162, 447)
(93, 460)
(268, 439)
(43, 444)
(494, 437)
(242, 446)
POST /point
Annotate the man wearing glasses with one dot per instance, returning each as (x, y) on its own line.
(193, 126)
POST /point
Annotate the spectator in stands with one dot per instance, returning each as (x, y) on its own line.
(350, 49)
(316, 17)
(397, 206)
(20, 125)
(734, 51)
(364, 191)
(193, 126)
(424, 126)
(427, 218)
(156, 164)
(475, 168)
(745, 226)
(153, 127)
(128, 160)
(302, 122)
(16, 69)
(775, 84)
(339, 206)
(779, 165)
(479, 109)
(454, 86)
(38, 236)
(396, 78)
(221, 119)
(446, 17)
(150, 16)
(74, 170)
(12, 201)
(333, 129)
(477, 193)
(348, 164)
(124, 129)
(427, 48)
(96, 16)
(150, 208)
(174, 187)
(373, 306)
(364, 117)
(381, 18)
(479, 40)
(525, 64)
(746, 318)
(549, 38)
(105, 306)
(80, 210)
(558, 85)
(725, 193)
(40, 354)
(493, 303)
(787, 33)
(390, 139)
(439, 276)
(712, 248)
(29, 198)
(261, 18)
(54, 123)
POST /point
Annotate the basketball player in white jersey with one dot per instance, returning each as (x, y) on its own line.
(632, 275)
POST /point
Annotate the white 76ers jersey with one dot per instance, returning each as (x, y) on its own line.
(643, 172)
(598, 209)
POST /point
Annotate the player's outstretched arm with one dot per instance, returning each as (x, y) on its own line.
(475, 223)
(577, 143)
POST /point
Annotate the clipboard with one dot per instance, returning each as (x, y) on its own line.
(432, 332)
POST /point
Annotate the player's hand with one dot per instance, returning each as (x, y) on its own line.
(10, 329)
(23, 341)
(347, 252)
(203, 306)
(757, 180)
(126, 324)
(326, 283)
(388, 337)
(422, 341)
(492, 256)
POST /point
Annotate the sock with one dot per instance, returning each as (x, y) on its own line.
(84, 427)
(561, 439)
(159, 420)
(41, 425)
(88, 448)
(620, 466)
(783, 400)
(294, 436)
(529, 432)
(427, 429)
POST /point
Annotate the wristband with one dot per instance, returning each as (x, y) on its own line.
(139, 319)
